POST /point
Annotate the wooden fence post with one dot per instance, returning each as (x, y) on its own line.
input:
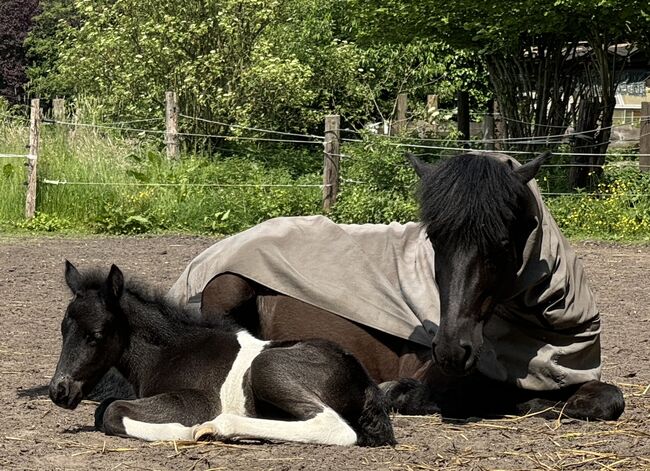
(331, 161)
(34, 130)
(58, 109)
(171, 125)
(432, 104)
(399, 124)
(463, 116)
(644, 137)
(432, 107)
(488, 127)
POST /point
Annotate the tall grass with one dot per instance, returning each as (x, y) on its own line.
(121, 183)
(118, 184)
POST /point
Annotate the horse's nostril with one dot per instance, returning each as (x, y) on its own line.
(468, 358)
(59, 391)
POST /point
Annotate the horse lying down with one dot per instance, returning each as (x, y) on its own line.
(195, 381)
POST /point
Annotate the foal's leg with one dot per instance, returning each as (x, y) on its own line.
(326, 427)
(168, 416)
(301, 383)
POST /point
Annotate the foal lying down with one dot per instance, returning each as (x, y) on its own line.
(196, 381)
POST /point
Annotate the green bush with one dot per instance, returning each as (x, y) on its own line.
(377, 184)
(621, 211)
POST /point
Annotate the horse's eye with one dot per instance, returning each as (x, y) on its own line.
(95, 337)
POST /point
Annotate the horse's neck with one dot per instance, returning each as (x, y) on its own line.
(151, 332)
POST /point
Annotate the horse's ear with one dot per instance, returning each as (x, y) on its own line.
(421, 168)
(72, 277)
(528, 171)
(115, 282)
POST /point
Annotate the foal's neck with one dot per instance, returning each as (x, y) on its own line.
(155, 327)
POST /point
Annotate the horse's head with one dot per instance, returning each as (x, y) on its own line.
(479, 213)
(93, 337)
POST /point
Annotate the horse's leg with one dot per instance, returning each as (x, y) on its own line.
(595, 400)
(230, 295)
(168, 416)
(478, 396)
(410, 397)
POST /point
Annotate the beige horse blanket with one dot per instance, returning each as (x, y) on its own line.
(545, 337)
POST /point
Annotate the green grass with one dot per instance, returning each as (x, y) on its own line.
(229, 192)
(113, 186)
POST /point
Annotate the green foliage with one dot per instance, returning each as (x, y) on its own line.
(45, 43)
(498, 26)
(267, 63)
(622, 212)
(379, 184)
(109, 184)
(43, 222)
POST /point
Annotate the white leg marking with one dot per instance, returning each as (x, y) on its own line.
(153, 432)
(232, 393)
(326, 428)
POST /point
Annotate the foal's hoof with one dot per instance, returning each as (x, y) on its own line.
(204, 433)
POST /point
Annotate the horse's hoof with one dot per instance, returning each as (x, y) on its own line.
(204, 433)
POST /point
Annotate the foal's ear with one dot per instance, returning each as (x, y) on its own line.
(421, 168)
(528, 171)
(72, 277)
(115, 282)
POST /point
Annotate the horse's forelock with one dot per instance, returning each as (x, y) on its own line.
(471, 200)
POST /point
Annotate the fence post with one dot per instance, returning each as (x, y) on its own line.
(488, 126)
(34, 130)
(399, 124)
(331, 161)
(463, 116)
(58, 109)
(432, 104)
(644, 137)
(171, 125)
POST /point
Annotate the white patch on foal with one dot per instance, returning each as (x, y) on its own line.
(154, 432)
(326, 428)
(231, 393)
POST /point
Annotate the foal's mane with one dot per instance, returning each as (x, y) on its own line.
(146, 294)
(471, 199)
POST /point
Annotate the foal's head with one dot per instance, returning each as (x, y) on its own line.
(93, 334)
(478, 212)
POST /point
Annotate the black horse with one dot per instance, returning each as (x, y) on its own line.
(486, 228)
(192, 381)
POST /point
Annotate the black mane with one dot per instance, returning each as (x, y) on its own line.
(471, 199)
(146, 295)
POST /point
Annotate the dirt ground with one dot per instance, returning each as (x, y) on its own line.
(35, 434)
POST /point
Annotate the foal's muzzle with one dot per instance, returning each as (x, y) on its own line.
(65, 392)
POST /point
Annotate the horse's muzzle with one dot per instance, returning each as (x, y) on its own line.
(459, 360)
(65, 392)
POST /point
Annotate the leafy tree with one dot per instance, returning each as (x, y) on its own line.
(15, 22)
(550, 62)
(268, 63)
(44, 45)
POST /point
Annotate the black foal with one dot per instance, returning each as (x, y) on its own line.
(194, 380)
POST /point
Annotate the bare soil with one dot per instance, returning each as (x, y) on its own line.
(35, 434)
